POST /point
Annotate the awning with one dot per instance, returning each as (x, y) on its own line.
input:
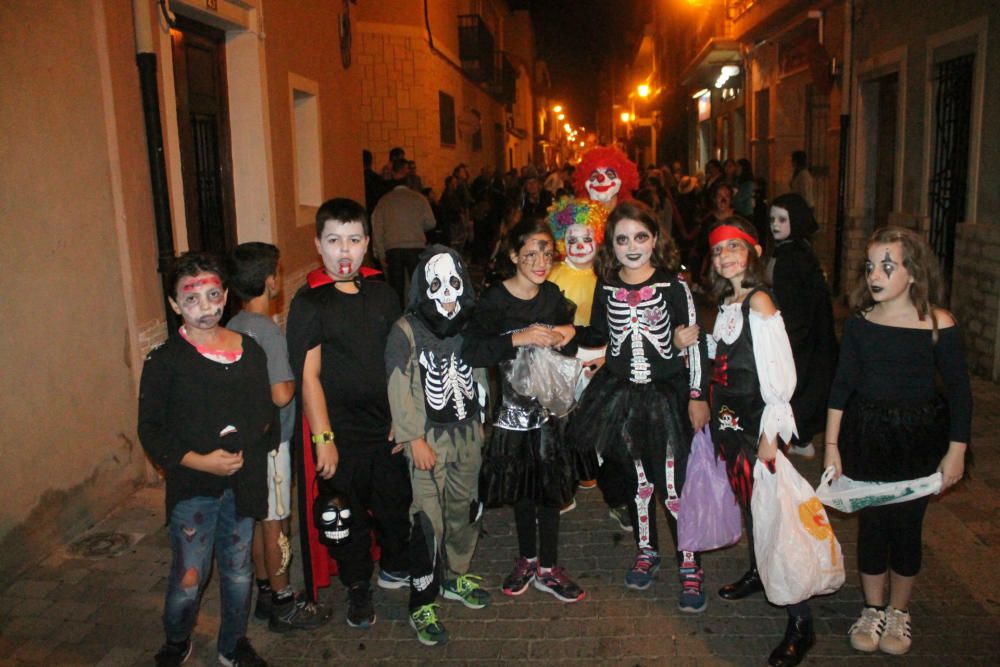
(702, 71)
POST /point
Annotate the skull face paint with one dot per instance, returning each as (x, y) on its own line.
(633, 244)
(332, 516)
(886, 275)
(444, 284)
(580, 246)
(200, 300)
(603, 184)
(342, 246)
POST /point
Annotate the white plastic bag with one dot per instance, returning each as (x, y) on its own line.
(547, 376)
(848, 495)
(798, 556)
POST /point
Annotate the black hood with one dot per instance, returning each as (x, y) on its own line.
(425, 308)
(800, 216)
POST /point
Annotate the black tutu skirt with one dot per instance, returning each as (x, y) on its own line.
(886, 441)
(624, 421)
(534, 464)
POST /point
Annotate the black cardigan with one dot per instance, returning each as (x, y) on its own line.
(186, 400)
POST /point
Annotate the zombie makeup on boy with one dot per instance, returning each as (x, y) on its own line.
(200, 300)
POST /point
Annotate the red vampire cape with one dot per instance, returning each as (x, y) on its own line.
(317, 566)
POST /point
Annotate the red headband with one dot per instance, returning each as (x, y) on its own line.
(726, 232)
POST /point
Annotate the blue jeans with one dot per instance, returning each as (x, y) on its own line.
(199, 526)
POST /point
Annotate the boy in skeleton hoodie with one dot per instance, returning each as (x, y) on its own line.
(438, 405)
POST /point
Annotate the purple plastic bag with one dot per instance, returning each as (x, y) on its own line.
(709, 517)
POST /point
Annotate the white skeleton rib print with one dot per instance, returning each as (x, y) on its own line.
(447, 380)
(634, 315)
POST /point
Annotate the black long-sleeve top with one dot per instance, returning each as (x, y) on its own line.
(488, 340)
(186, 401)
(885, 363)
(658, 305)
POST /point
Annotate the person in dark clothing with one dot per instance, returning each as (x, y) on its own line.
(337, 330)
(805, 303)
(206, 419)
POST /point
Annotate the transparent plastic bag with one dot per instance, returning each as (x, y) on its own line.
(547, 376)
(848, 495)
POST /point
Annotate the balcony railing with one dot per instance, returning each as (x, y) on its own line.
(503, 87)
(735, 9)
(476, 48)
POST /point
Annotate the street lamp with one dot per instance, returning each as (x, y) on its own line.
(557, 108)
(624, 117)
(561, 116)
(643, 90)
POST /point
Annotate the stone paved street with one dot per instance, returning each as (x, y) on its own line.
(105, 611)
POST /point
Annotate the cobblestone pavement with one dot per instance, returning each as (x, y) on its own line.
(105, 611)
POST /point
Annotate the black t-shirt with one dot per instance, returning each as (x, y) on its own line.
(351, 330)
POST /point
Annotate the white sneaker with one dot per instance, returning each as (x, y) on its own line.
(896, 638)
(867, 630)
(806, 451)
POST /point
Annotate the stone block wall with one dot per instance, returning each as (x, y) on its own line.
(975, 294)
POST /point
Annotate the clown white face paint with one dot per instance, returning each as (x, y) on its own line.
(200, 300)
(887, 276)
(603, 185)
(342, 245)
(633, 244)
(781, 226)
(580, 248)
(444, 284)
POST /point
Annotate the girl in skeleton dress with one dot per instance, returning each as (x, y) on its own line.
(752, 383)
(642, 407)
(525, 461)
(900, 409)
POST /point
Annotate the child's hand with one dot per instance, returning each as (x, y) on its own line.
(536, 335)
(832, 458)
(686, 336)
(327, 458)
(423, 456)
(768, 450)
(592, 366)
(567, 331)
(698, 414)
(220, 462)
(952, 466)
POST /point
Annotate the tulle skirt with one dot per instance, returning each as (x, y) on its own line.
(888, 441)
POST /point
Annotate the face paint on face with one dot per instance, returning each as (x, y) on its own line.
(781, 226)
(580, 248)
(633, 244)
(730, 258)
(603, 184)
(886, 275)
(342, 245)
(444, 284)
(200, 300)
(534, 261)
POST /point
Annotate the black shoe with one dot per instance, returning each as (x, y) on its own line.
(171, 654)
(262, 609)
(297, 614)
(243, 656)
(748, 584)
(360, 610)
(799, 638)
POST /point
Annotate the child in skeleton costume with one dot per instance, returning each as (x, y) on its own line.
(438, 405)
(752, 383)
(900, 409)
(525, 461)
(640, 407)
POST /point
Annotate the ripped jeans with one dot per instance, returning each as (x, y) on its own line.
(199, 526)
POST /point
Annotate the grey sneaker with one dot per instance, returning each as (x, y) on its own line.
(297, 614)
(621, 517)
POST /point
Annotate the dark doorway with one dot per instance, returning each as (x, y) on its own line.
(199, 57)
(885, 148)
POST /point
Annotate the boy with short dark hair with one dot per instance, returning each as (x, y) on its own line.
(353, 479)
(255, 282)
(207, 421)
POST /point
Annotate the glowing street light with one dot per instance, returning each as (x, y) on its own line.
(561, 116)
(624, 117)
(643, 90)
(558, 109)
(568, 128)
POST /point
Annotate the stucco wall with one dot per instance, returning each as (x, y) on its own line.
(68, 439)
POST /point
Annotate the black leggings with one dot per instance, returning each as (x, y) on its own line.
(531, 520)
(889, 536)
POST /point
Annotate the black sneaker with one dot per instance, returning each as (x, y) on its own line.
(243, 656)
(171, 654)
(360, 610)
(262, 609)
(297, 614)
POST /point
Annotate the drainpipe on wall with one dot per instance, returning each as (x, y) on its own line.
(845, 127)
(145, 58)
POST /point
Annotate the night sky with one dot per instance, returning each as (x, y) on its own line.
(576, 38)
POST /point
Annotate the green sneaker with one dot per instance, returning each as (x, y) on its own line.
(466, 589)
(430, 632)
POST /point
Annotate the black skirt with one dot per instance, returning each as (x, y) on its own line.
(887, 441)
(534, 464)
(625, 421)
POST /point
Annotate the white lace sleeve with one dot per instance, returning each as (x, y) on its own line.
(776, 370)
